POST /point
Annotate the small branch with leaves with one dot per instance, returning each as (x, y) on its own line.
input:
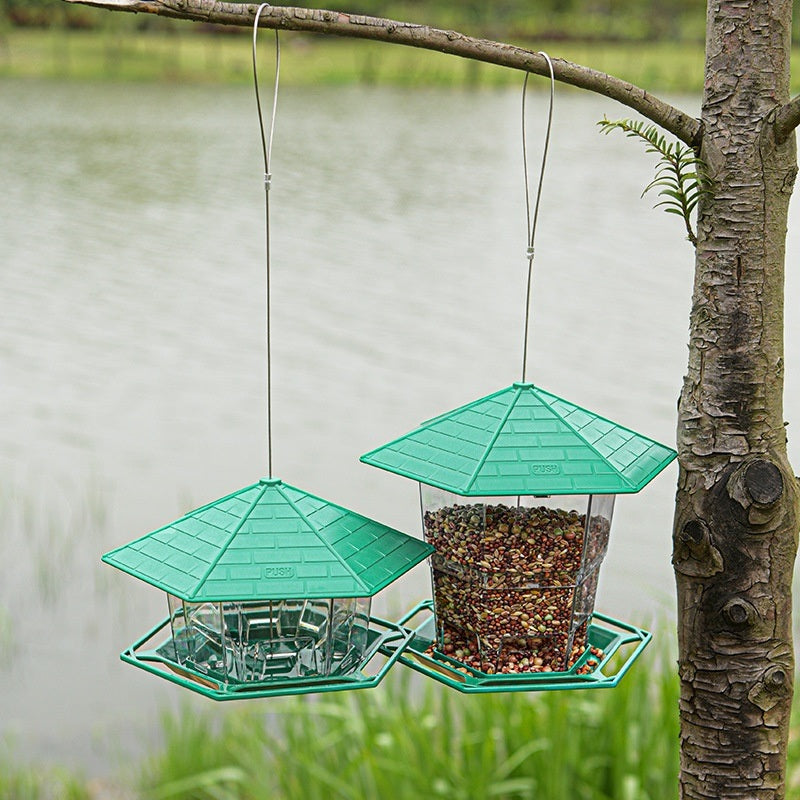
(681, 176)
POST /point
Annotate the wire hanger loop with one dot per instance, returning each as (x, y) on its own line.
(266, 143)
(266, 146)
(530, 233)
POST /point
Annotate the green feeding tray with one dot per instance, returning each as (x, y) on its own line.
(384, 643)
(269, 592)
(612, 648)
(517, 492)
(524, 441)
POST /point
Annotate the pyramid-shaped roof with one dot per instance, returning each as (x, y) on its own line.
(523, 440)
(270, 541)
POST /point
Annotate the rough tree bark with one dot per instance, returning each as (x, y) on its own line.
(738, 504)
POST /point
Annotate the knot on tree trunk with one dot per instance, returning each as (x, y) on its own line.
(694, 554)
(775, 684)
(756, 485)
(739, 612)
(743, 616)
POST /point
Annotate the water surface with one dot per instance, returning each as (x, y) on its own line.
(132, 348)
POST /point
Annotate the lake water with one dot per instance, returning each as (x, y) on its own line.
(131, 339)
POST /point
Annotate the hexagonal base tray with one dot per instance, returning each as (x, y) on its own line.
(387, 642)
(606, 633)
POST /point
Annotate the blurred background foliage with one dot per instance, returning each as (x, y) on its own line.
(515, 20)
(652, 43)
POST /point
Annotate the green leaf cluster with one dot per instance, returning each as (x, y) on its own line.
(681, 175)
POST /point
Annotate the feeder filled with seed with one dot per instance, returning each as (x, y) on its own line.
(269, 592)
(517, 492)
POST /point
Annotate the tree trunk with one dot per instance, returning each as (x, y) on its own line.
(736, 516)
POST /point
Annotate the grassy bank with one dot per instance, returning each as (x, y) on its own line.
(120, 53)
(125, 55)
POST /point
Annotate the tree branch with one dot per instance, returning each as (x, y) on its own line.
(357, 26)
(787, 119)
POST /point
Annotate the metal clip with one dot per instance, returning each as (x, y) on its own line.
(529, 253)
(267, 180)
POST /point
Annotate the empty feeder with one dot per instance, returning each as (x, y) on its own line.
(269, 592)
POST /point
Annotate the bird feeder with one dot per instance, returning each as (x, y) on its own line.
(517, 492)
(269, 592)
(269, 589)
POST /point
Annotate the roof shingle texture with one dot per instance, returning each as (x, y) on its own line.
(523, 440)
(270, 541)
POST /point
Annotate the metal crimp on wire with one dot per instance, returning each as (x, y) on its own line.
(267, 180)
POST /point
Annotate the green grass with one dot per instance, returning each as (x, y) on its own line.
(19, 782)
(119, 53)
(412, 739)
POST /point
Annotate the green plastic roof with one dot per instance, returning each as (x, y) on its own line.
(524, 441)
(270, 541)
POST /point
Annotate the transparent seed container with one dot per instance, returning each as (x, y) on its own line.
(514, 578)
(259, 641)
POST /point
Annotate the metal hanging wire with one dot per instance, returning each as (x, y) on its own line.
(531, 228)
(266, 146)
